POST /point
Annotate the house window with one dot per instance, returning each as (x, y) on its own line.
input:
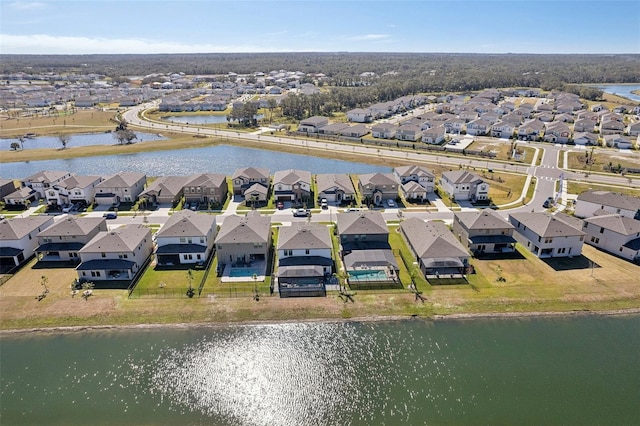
(198, 189)
(123, 255)
(257, 245)
(183, 240)
(595, 240)
(288, 252)
(548, 240)
(103, 254)
(306, 251)
(189, 240)
(198, 257)
(602, 230)
(201, 240)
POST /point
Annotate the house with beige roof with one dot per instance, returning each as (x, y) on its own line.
(43, 180)
(244, 240)
(18, 239)
(292, 185)
(336, 188)
(122, 187)
(186, 238)
(62, 241)
(547, 235)
(115, 256)
(74, 189)
(437, 251)
(165, 190)
(614, 233)
(484, 232)
(313, 124)
(305, 260)
(21, 197)
(206, 189)
(376, 188)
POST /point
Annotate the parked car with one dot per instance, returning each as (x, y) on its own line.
(67, 208)
(549, 202)
(391, 203)
(110, 215)
(324, 204)
(280, 205)
(302, 212)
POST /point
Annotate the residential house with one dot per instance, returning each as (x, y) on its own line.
(384, 131)
(461, 185)
(116, 255)
(42, 180)
(597, 203)
(206, 188)
(484, 231)
(365, 248)
(22, 197)
(313, 124)
(547, 235)
(122, 187)
(585, 138)
(305, 262)
(292, 185)
(434, 136)
(243, 240)
(454, 125)
(62, 241)
(165, 190)
(530, 129)
(611, 127)
(502, 129)
(617, 141)
(437, 251)
(246, 178)
(359, 115)
(7, 186)
(614, 233)
(557, 132)
(333, 129)
(376, 188)
(336, 188)
(74, 189)
(408, 132)
(355, 131)
(18, 239)
(584, 125)
(414, 173)
(478, 127)
(633, 129)
(186, 238)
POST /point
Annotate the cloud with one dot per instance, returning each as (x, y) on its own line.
(368, 37)
(47, 44)
(27, 5)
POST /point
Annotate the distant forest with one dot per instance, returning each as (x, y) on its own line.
(408, 72)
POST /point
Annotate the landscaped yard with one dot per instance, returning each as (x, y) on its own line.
(577, 160)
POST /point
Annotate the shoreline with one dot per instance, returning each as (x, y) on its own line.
(391, 318)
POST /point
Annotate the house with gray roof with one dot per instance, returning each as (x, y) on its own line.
(62, 241)
(614, 233)
(165, 190)
(531, 129)
(21, 197)
(437, 251)
(122, 187)
(434, 135)
(115, 256)
(74, 189)
(557, 132)
(365, 249)
(41, 181)
(585, 138)
(206, 188)
(244, 240)
(7, 186)
(186, 238)
(313, 124)
(464, 185)
(333, 129)
(384, 131)
(408, 132)
(376, 188)
(18, 239)
(305, 260)
(336, 188)
(597, 203)
(245, 177)
(547, 235)
(483, 232)
(292, 185)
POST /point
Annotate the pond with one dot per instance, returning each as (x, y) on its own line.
(105, 138)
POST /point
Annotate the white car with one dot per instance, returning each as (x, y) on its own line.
(391, 203)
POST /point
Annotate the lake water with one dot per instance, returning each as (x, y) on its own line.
(621, 90)
(224, 159)
(582, 370)
(76, 140)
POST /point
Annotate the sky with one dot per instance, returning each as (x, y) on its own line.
(222, 26)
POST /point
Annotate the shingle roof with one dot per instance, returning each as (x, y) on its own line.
(121, 180)
(361, 223)
(483, 219)
(207, 179)
(123, 239)
(251, 173)
(72, 225)
(461, 176)
(546, 225)
(617, 223)
(244, 229)
(78, 181)
(329, 181)
(414, 170)
(432, 239)
(304, 236)
(378, 179)
(291, 176)
(16, 228)
(166, 185)
(187, 223)
(46, 176)
(612, 199)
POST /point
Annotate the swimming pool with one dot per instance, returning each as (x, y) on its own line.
(368, 275)
(245, 272)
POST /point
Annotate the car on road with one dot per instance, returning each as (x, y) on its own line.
(110, 215)
(351, 209)
(324, 204)
(549, 202)
(391, 203)
(67, 208)
(302, 212)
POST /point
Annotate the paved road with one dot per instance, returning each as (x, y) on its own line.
(547, 174)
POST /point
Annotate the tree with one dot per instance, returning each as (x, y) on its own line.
(87, 290)
(43, 282)
(64, 140)
(14, 146)
(271, 105)
(125, 136)
(190, 291)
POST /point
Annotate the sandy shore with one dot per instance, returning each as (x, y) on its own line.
(462, 316)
